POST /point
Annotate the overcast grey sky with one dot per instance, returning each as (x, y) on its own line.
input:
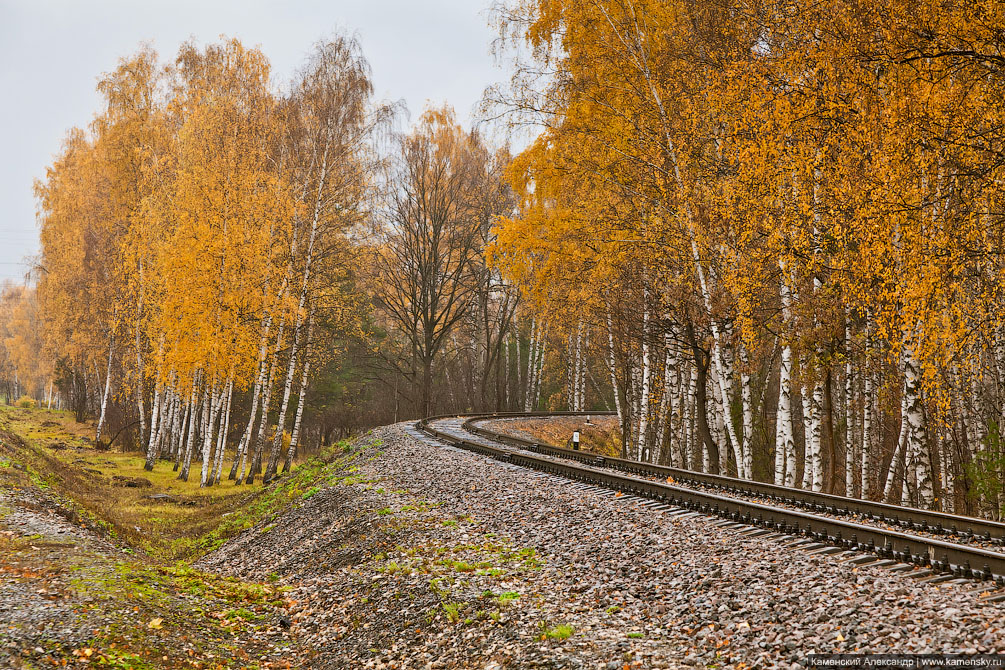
(52, 52)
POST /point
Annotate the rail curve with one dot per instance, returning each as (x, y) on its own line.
(951, 558)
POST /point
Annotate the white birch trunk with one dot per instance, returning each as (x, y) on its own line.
(815, 425)
(291, 452)
(891, 475)
(948, 478)
(104, 395)
(518, 376)
(747, 458)
(612, 368)
(570, 374)
(259, 439)
(540, 368)
(528, 394)
(690, 443)
(506, 375)
(155, 425)
(717, 427)
(221, 440)
(807, 436)
(633, 402)
(785, 444)
(211, 402)
(180, 434)
(242, 447)
(723, 374)
(277, 438)
(208, 410)
(664, 416)
(816, 399)
(167, 433)
(868, 455)
(642, 446)
(193, 420)
(582, 341)
(849, 443)
(917, 434)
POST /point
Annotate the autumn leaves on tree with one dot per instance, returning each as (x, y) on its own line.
(197, 241)
(767, 235)
(786, 218)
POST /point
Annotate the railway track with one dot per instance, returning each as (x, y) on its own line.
(968, 530)
(820, 521)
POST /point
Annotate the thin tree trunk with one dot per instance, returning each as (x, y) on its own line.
(277, 438)
(518, 379)
(814, 439)
(242, 447)
(917, 434)
(612, 366)
(642, 447)
(104, 396)
(212, 401)
(193, 421)
(849, 442)
(155, 425)
(722, 374)
(180, 435)
(746, 465)
(542, 346)
(221, 443)
(259, 442)
(785, 444)
(528, 397)
(580, 367)
(301, 397)
(898, 452)
(869, 457)
(665, 414)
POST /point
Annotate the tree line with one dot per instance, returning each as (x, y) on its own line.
(766, 235)
(779, 226)
(228, 271)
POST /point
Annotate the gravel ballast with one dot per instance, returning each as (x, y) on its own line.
(505, 426)
(421, 556)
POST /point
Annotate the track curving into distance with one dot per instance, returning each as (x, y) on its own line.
(650, 481)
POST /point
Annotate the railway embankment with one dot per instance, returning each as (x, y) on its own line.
(424, 555)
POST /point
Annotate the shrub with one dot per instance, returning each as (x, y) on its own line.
(26, 402)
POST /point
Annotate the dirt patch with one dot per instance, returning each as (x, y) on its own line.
(131, 482)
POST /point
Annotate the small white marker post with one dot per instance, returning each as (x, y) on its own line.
(575, 440)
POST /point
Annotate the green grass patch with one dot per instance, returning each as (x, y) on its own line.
(560, 632)
(507, 597)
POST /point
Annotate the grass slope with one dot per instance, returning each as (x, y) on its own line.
(148, 607)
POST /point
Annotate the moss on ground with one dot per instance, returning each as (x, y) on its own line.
(58, 455)
(152, 608)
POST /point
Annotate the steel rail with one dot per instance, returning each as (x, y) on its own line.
(905, 517)
(936, 554)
